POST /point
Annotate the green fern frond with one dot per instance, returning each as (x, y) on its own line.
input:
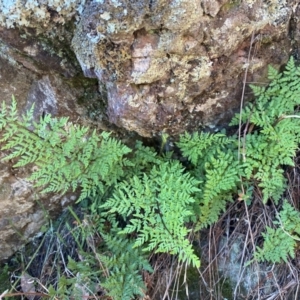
(124, 263)
(277, 246)
(216, 163)
(200, 145)
(289, 220)
(157, 207)
(66, 155)
(280, 243)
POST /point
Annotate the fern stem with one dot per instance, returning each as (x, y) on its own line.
(162, 219)
(242, 101)
(290, 116)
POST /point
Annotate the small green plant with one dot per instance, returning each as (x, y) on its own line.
(117, 267)
(280, 243)
(124, 263)
(150, 201)
(156, 207)
(67, 156)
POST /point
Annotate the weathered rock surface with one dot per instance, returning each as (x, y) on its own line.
(32, 72)
(177, 65)
(166, 65)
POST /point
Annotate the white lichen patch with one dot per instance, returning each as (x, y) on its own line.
(105, 16)
(203, 69)
(134, 101)
(5, 54)
(210, 102)
(276, 11)
(34, 13)
(31, 50)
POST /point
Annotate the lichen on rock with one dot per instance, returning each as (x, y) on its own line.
(31, 13)
(174, 65)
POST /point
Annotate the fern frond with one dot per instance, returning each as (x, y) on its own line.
(280, 243)
(277, 246)
(157, 207)
(289, 220)
(66, 155)
(198, 146)
(124, 263)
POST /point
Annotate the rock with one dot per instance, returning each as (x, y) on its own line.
(23, 210)
(32, 71)
(177, 65)
(42, 14)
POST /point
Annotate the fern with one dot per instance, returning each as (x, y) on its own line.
(66, 155)
(277, 246)
(124, 263)
(278, 99)
(289, 220)
(121, 266)
(221, 180)
(215, 164)
(280, 243)
(156, 207)
(275, 138)
(199, 146)
(156, 200)
(270, 144)
(143, 158)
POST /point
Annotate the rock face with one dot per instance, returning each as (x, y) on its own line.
(176, 65)
(22, 209)
(165, 65)
(34, 71)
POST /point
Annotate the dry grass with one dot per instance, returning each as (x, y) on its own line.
(225, 248)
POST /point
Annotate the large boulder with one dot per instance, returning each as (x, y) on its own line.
(171, 66)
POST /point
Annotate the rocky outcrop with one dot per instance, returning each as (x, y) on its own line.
(43, 72)
(177, 65)
(164, 66)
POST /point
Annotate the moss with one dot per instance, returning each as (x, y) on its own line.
(58, 41)
(266, 39)
(35, 14)
(91, 99)
(230, 5)
(81, 81)
(5, 279)
(226, 289)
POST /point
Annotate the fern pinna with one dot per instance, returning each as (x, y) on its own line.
(66, 155)
(280, 243)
